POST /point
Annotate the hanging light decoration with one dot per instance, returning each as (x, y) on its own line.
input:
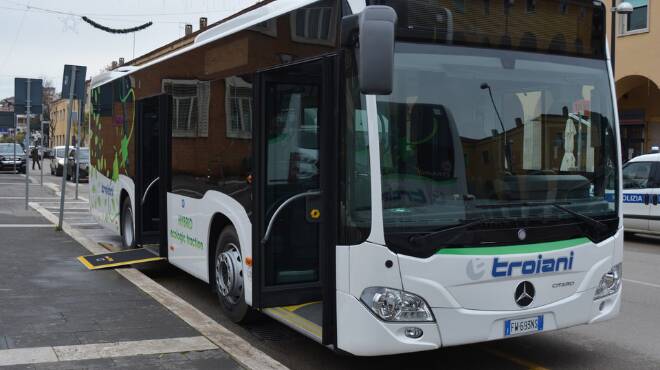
(116, 30)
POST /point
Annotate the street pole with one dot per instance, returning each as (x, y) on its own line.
(66, 146)
(15, 137)
(41, 149)
(78, 145)
(27, 138)
(613, 39)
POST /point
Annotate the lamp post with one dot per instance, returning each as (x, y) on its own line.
(623, 8)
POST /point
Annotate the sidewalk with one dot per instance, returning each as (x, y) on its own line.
(55, 314)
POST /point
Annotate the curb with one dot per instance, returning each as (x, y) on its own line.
(238, 348)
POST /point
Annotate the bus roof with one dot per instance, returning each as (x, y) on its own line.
(223, 29)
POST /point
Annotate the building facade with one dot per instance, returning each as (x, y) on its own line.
(59, 115)
(637, 76)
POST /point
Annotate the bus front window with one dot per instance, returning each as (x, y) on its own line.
(482, 134)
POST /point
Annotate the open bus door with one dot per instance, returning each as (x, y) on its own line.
(152, 180)
(294, 239)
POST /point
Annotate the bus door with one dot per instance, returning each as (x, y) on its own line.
(294, 221)
(152, 178)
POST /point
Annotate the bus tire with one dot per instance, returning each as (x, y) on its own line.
(126, 228)
(228, 274)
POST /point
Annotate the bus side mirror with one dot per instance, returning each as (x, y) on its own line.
(373, 30)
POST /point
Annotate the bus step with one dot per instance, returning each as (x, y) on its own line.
(116, 259)
(306, 318)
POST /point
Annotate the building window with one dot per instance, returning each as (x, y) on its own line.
(486, 7)
(314, 24)
(563, 7)
(238, 105)
(190, 107)
(530, 6)
(638, 20)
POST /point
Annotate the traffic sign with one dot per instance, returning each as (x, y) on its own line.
(79, 87)
(36, 95)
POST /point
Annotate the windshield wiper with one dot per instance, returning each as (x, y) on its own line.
(597, 225)
(459, 230)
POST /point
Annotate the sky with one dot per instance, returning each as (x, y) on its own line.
(37, 42)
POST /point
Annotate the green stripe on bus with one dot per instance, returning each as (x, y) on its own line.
(515, 249)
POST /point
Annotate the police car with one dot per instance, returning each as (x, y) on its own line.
(641, 194)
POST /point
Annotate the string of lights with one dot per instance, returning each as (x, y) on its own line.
(98, 15)
(116, 30)
(59, 13)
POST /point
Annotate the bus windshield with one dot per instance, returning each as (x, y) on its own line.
(472, 133)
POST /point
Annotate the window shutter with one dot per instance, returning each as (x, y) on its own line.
(203, 97)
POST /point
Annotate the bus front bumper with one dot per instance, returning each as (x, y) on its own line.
(361, 333)
(461, 326)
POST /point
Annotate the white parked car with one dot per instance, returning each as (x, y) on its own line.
(57, 161)
(641, 194)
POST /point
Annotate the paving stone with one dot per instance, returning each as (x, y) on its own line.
(49, 299)
(42, 340)
(103, 363)
(215, 360)
(206, 355)
(133, 334)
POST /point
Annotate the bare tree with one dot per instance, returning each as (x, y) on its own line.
(49, 96)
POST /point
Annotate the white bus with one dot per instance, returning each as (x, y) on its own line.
(384, 176)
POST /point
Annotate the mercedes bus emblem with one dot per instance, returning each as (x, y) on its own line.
(524, 294)
(522, 234)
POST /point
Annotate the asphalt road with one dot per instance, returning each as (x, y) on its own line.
(631, 341)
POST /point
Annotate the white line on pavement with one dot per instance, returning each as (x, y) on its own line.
(25, 356)
(23, 198)
(8, 226)
(56, 189)
(642, 283)
(238, 348)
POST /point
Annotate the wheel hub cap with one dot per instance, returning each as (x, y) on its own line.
(229, 274)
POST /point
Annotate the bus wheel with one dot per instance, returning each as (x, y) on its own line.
(126, 225)
(228, 268)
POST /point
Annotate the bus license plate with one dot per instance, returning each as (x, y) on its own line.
(522, 326)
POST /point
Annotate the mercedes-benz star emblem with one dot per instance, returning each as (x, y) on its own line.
(524, 294)
(522, 234)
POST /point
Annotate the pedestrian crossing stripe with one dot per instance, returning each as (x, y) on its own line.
(116, 259)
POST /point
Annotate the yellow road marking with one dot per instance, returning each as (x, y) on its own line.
(516, 360)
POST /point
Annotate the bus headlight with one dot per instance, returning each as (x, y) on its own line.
(609, 283)
(396, 305)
